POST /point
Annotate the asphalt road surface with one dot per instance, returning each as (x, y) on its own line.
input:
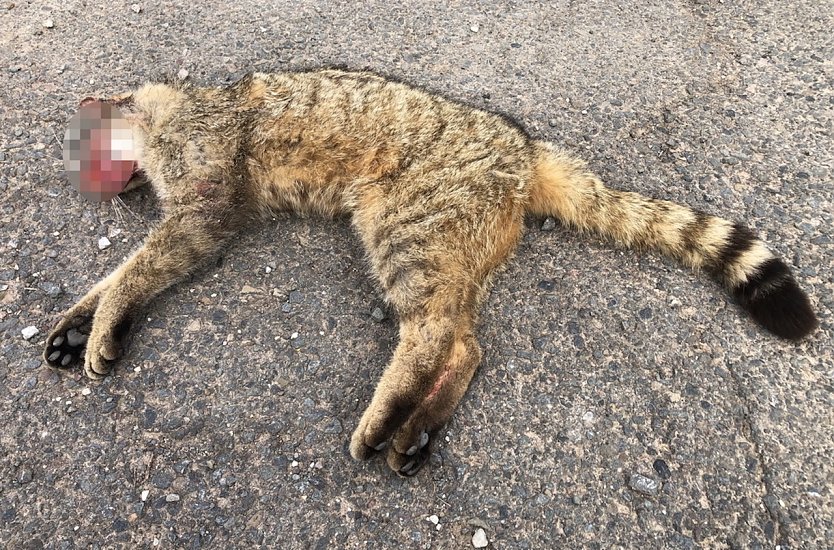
(623, 402)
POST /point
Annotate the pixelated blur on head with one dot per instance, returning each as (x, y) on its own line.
(99, 153)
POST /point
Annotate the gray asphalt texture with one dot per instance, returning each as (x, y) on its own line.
(623, 402)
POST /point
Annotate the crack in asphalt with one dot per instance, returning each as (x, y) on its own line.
(781, 533)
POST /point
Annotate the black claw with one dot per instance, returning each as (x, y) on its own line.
(413, 466)
(422, 442)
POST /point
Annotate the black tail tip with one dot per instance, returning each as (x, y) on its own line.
(776, 302)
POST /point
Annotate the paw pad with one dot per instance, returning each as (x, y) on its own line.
(65, 349)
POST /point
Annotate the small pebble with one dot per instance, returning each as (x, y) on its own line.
(433, 518)
(49, 23)
(25, 476)
(30, 332)
(333, 427)
(136, 8)
(662, 469)
(103, 243)
(144, 495)
(182, 74)
(86, 391)
(173, 497)
(549, 224)
(643, 484)
(378, 315)
(479, 539)
(51, 289)
(546, 285)
(475, 28)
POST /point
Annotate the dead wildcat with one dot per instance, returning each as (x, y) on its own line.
(436, 191)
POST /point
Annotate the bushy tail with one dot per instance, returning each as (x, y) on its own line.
(761, 282)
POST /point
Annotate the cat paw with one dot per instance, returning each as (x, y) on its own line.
(65, 344)
(362, 450)
(379, 421)
(102, 352)
(408, 460)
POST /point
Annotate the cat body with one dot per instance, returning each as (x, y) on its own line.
(436, 191)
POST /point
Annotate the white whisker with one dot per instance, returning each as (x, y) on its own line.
(117, 210)
(124, 204)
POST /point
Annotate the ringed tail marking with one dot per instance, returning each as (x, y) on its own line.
(761, 282)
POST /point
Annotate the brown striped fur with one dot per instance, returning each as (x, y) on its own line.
(436, 191)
